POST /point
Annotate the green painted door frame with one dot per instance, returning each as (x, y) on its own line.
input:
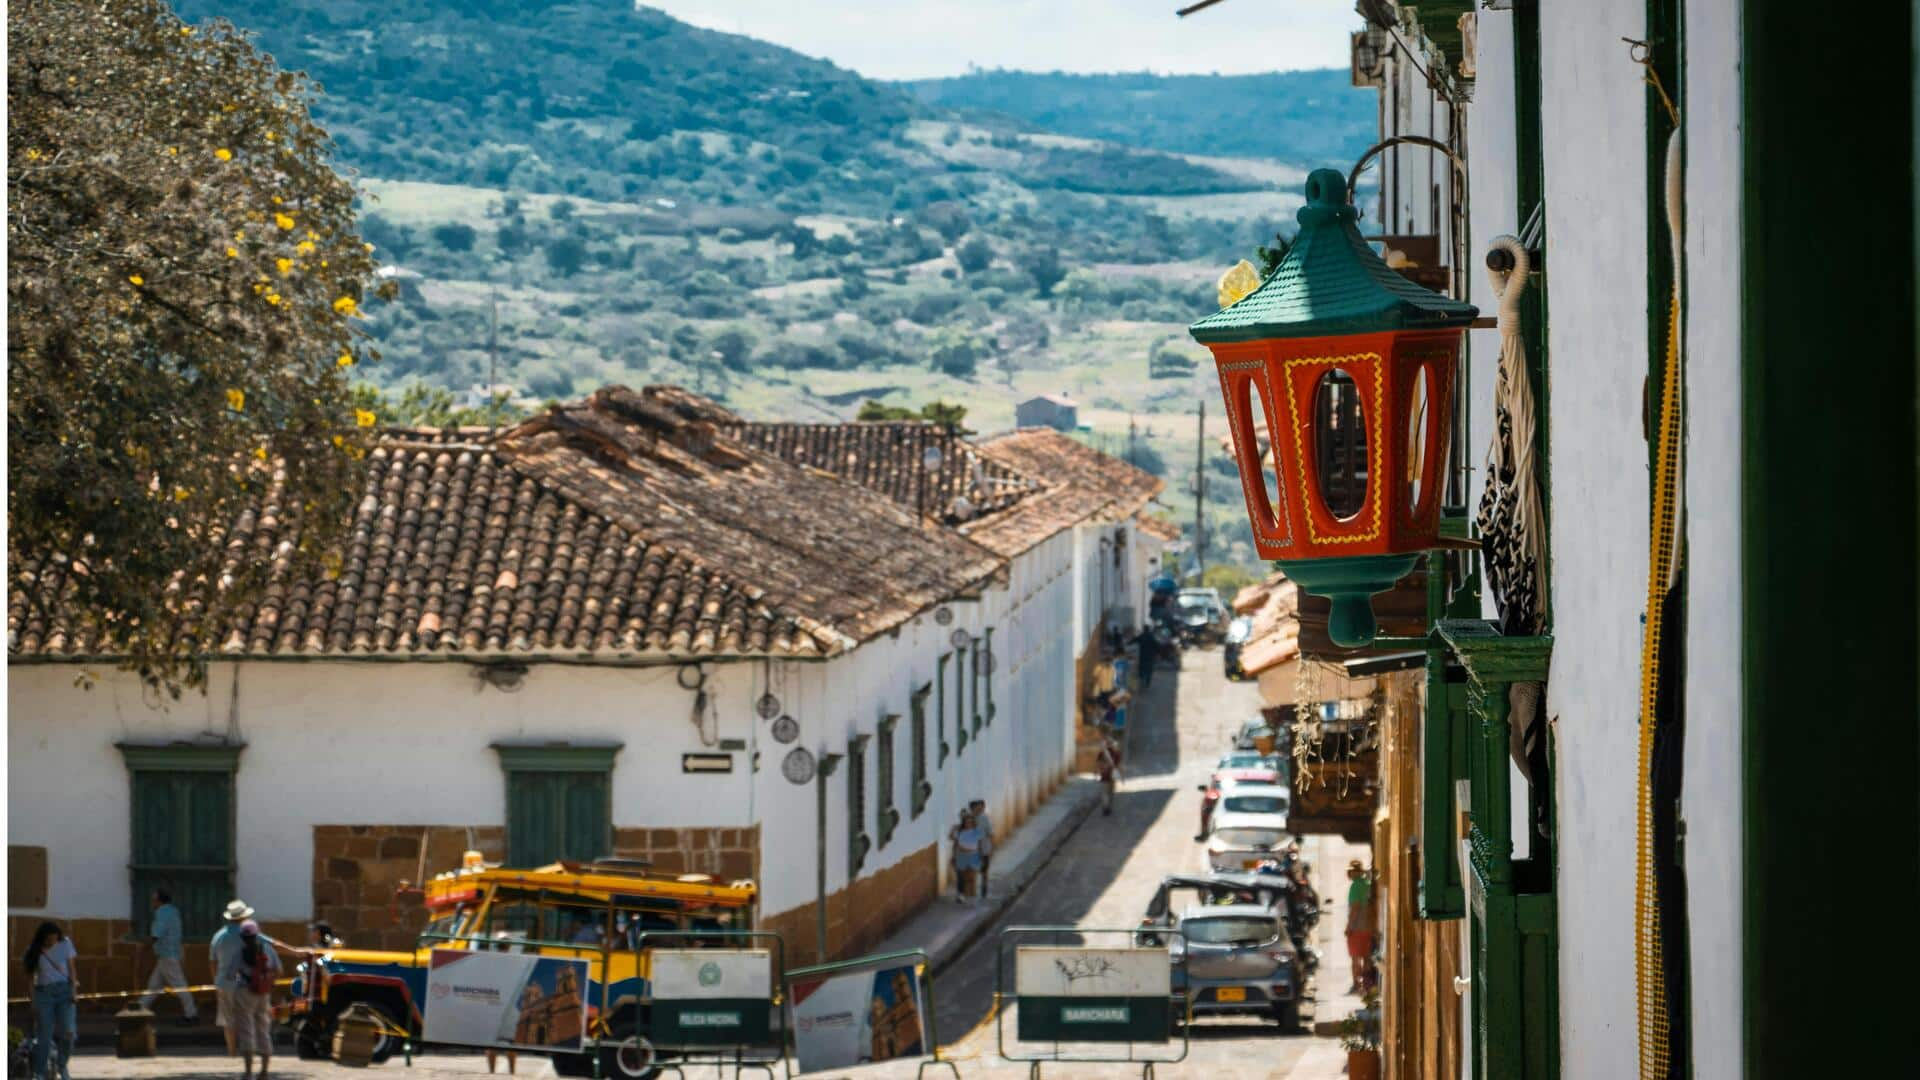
(1829, 538)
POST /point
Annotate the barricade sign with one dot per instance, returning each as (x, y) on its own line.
(712, 997)
(506, 1001)
(1074, 999)
(1075, 994)
(869, 1009)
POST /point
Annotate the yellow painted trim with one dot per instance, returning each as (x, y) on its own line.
(1375, 465)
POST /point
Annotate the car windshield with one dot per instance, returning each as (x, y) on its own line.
(1230, 930)
(1248, 761)
(1255, 804)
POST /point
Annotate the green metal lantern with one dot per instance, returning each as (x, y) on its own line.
(1354, 370)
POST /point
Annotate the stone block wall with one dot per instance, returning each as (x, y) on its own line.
(357, 870)
(726, 854)
(109, 963)
(863, 914)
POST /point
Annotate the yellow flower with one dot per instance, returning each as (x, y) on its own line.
(363, 418)
(260, 452)
(173, 151)
(346, 360)
(137, 279)
(240, 234)
(237, 400)
(283, 221)
(339, 443)
(269, 136)
(369, 247)
(304, 247)
(32, 154)
(180, 494)
(223, 154)
(273, 298)
(228, 107)
(276, 200)
(285, 265)
(233, 253)
(346, 305)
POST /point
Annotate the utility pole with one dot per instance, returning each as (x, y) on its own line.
(493, 357)
(1133, 441)
(1200, 491)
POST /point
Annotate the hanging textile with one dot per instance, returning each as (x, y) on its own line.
(1512, 532)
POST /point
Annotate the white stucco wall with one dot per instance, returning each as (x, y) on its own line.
(1594, 120)
(1712, 796)
(410, 743)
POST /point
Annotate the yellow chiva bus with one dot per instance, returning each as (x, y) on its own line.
(594, 911)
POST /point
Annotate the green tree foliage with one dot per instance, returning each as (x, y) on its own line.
(183, 273)
(424, 406)
(975, 255)
(566, 255)
(455, 236)
(734, 343)
(1166, 360)
(1044, 266)
(955, 352)
(1302, 116)
(946, 414)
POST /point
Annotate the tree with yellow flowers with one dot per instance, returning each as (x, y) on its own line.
(184, 281)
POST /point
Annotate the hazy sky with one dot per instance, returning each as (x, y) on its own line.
(900, 39)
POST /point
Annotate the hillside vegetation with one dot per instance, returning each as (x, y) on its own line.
(571, 194)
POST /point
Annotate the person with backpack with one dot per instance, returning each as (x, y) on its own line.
(250, 1021)
(49, 962)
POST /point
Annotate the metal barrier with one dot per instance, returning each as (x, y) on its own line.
(710, 1008)
(889, 998)
(1069, 993)
(605, 1034)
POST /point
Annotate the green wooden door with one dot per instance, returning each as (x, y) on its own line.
(183, 842)
(555, 815)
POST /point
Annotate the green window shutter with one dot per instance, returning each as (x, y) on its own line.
(1439, 889)
(988, 676)
(922, 790)
(858, 844)
(559, 803)
(889, 818)
(978, 718)
(962, 736)
(940, 707)
(182, 831)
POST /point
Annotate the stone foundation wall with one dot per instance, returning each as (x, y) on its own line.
(726, 854)
(862, 915)
(107, 963)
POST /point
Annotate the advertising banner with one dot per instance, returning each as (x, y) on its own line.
(858, 1017)
(510, 1001)
(712, 997)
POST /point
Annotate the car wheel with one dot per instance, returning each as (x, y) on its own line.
(313, 1039)
(632, 1058)
(1287, 1015)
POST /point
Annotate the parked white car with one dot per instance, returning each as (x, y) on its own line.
(1248, 825)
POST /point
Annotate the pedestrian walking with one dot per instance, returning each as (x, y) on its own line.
(225, 954)
(50, 970)
(256, 965)
(165, 931)
(1360, 925)
(1108, 765)
(984, 822)
(966, 855)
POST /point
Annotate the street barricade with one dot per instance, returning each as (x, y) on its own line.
(713, 999)
(871, 1008)
(1077, 1000)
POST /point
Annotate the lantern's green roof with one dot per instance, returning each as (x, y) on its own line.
(1330, 282)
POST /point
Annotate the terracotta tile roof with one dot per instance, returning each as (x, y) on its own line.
(621, 526)
(886, 456)
(1078, 482)
(1159, 528)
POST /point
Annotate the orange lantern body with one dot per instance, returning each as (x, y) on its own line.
(1351, 369)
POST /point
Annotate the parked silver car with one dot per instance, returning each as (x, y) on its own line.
(1237, 959)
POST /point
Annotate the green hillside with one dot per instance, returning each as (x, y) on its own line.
(1309, 118)
(573, 194)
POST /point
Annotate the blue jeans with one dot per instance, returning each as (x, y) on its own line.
(53, 1015)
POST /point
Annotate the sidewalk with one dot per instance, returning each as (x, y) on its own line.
(945, 928)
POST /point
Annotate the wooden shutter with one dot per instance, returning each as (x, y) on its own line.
(183, 841)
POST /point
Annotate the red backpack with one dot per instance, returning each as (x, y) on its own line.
(258, 976)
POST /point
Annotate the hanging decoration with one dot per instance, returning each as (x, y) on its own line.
(1353, 366)
(785, 729)
(768, 706)
(798, 766)
(1511, 524)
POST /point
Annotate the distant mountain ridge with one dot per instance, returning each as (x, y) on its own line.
(1306, 118)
